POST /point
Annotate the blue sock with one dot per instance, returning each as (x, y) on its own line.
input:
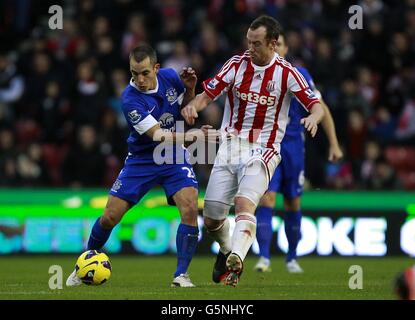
(98, 236)
(186, 243)
(292, 222)
(264, 230)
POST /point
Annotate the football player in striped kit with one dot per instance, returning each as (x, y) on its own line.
(259, 86)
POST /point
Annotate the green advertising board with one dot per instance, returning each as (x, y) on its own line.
(59, 221)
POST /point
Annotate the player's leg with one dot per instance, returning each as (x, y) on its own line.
(292, 188)
(264, 218)
(101, 231)
(132, 184)
(253, 183)
(187, 232)
(181, 188)
(264, 230)
(292, 223)
(220, 191)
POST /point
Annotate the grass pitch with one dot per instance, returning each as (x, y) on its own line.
(149, 278)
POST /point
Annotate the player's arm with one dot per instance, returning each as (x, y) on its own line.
(316, 115)
(335, 153)
(306, 96)
(157, 134)
(197, 104)
(213, 88)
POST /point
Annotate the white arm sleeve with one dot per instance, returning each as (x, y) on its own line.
(145, 124)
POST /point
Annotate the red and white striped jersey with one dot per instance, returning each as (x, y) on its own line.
(258, 97)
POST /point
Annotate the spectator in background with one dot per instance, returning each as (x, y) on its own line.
(356, 134)
(323, 66)
(180, 57)
(39, 75)
(11, 83)
(372, 154)
(406, 123)
(89, 95)
(118, 81)
(8, 156)
(135, 34)
(84, 165)
(53, 114)
(52, 79)
(339, 175)
(31, 168)
(383, 125)
(384, 177)
(351, 98)
(367, 86)
(111, 137)
(6, 118)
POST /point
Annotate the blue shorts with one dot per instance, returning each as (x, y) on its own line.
(288, 178)
(136, 179)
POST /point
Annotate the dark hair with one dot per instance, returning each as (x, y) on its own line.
(142, 52)
(272, 26)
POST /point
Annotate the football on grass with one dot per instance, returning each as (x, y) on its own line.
(93, 267)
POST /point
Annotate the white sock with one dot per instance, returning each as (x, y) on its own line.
(221, 236)
(244, 234)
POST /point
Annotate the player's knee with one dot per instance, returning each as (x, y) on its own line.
(110, 218)
(292, 205)
(212, 224)
(189, 214)
(268, 200)
(244, 204)
(215, 211)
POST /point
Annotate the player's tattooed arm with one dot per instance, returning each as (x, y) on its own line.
(335, 153)
(311, 122)
(189, 112)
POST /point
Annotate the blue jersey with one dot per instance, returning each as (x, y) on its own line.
(143, 110)
(297, 111)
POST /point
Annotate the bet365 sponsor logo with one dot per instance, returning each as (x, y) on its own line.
(254, 97)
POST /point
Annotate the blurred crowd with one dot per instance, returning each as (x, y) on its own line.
(60, 118)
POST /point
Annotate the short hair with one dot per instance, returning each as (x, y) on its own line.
(272, 26)
(143, 51)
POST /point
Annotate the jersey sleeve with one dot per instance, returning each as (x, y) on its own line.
(310, 81)
(138, 116)
(220, 83)
(298, 86)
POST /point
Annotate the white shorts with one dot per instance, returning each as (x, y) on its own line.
(241, 169)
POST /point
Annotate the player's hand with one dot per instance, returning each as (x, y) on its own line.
(189, 114)
(211, 135)
(311, 124)
(335, 153)
(189, 78)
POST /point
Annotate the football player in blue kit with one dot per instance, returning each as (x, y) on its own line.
(288, 178)
(151, 104)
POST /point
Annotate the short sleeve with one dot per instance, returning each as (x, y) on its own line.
(139, 117)
(223, 79)
(300, 88)
(310, 81)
